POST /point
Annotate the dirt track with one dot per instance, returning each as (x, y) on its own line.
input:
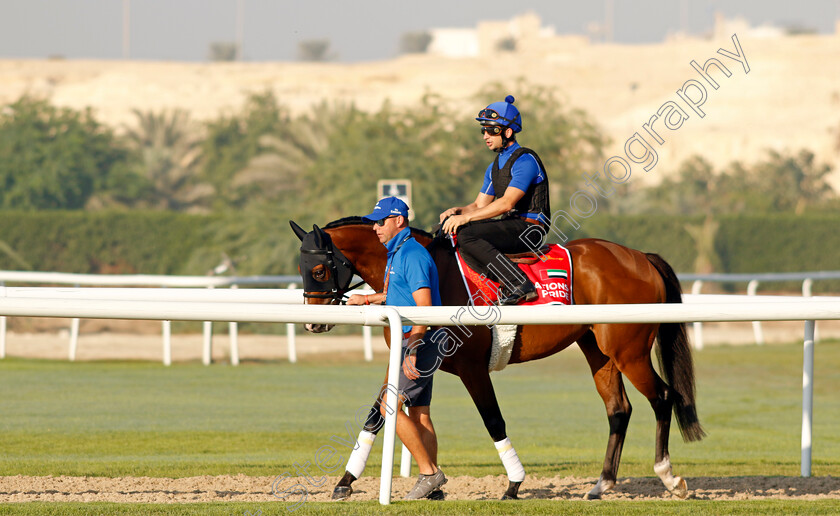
(258, 489)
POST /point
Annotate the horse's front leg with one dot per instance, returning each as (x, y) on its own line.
(361, 451)
(477, 381)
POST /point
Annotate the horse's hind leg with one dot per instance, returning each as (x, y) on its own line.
(611, 388)
(639, 370)
(662, 407)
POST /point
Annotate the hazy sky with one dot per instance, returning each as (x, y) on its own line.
(357, 29)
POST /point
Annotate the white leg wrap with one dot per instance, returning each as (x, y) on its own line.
(665, 473)
(515, 470)
(358, 459)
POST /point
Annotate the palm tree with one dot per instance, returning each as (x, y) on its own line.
(281, 167)
(794, 182)
(168, 151)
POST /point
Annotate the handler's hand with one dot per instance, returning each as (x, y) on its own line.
(356, 299)
(410, 367)
(453, 223)
(449, 213)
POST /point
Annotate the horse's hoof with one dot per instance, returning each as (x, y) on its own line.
(512, 492)
(437, 494)
(601, 487)
(680, 489)
(342, 492)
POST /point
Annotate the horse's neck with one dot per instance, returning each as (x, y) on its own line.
(360, 245)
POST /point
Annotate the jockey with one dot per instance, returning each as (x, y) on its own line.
(511, 213)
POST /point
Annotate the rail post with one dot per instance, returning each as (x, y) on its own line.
(167, 343)
(233, 332)
(752, 288)
(207, 341)
(807, 397)
(367, 343)
(389, 439)
(74, 337)
(290, 335)
(698, 326)
(2, 330)
(807, 286)
(3, 337)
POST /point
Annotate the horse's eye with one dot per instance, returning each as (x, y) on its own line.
(320, 273)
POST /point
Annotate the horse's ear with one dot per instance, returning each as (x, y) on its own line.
(319, 236)
(298, 230)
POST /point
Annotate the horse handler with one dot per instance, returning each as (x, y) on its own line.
(411, 279)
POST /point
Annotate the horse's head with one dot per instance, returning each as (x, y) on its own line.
(325, 270)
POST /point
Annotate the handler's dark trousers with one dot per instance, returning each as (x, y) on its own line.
(484, 243)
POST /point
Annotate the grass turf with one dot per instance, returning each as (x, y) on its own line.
(136, 418)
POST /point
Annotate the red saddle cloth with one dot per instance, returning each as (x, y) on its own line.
(551, 274)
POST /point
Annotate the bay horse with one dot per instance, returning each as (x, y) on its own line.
(604, 273)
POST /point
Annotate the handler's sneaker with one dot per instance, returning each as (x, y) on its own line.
(425, 485)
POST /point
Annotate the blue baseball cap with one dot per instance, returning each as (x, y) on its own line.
(388, 207)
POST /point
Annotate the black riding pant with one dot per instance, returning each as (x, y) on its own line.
(484, 243)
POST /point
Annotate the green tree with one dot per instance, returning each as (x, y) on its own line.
(278, 172)
(693, 189)
(507, 44)
(792, 182)
(221, 51)
(315, 50)
(57, 158)
(233, 141)
(696, 189)
(415, 42)
(258, 236)
(425, 144)
(167, 149)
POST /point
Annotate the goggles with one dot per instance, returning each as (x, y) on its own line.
(381, 222)
(490, 114)
(493, 130)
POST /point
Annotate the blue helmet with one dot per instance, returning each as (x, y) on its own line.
(501, 113)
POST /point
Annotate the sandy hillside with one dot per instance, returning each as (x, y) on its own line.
(788, 100)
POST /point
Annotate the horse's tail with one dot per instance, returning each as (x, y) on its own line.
(675, 361)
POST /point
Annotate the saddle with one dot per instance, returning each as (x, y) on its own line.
(549, 269)
(530, 257)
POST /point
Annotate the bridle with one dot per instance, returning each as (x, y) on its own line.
(340, 271)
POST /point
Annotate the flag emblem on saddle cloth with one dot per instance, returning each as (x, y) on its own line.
(547, 274)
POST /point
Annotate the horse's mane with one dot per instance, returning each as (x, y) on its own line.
(348, 221)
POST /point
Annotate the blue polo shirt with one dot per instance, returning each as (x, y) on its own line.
(524, 173)
(411, 268)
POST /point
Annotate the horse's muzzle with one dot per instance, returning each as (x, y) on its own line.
(319, 299)
(318, 328)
